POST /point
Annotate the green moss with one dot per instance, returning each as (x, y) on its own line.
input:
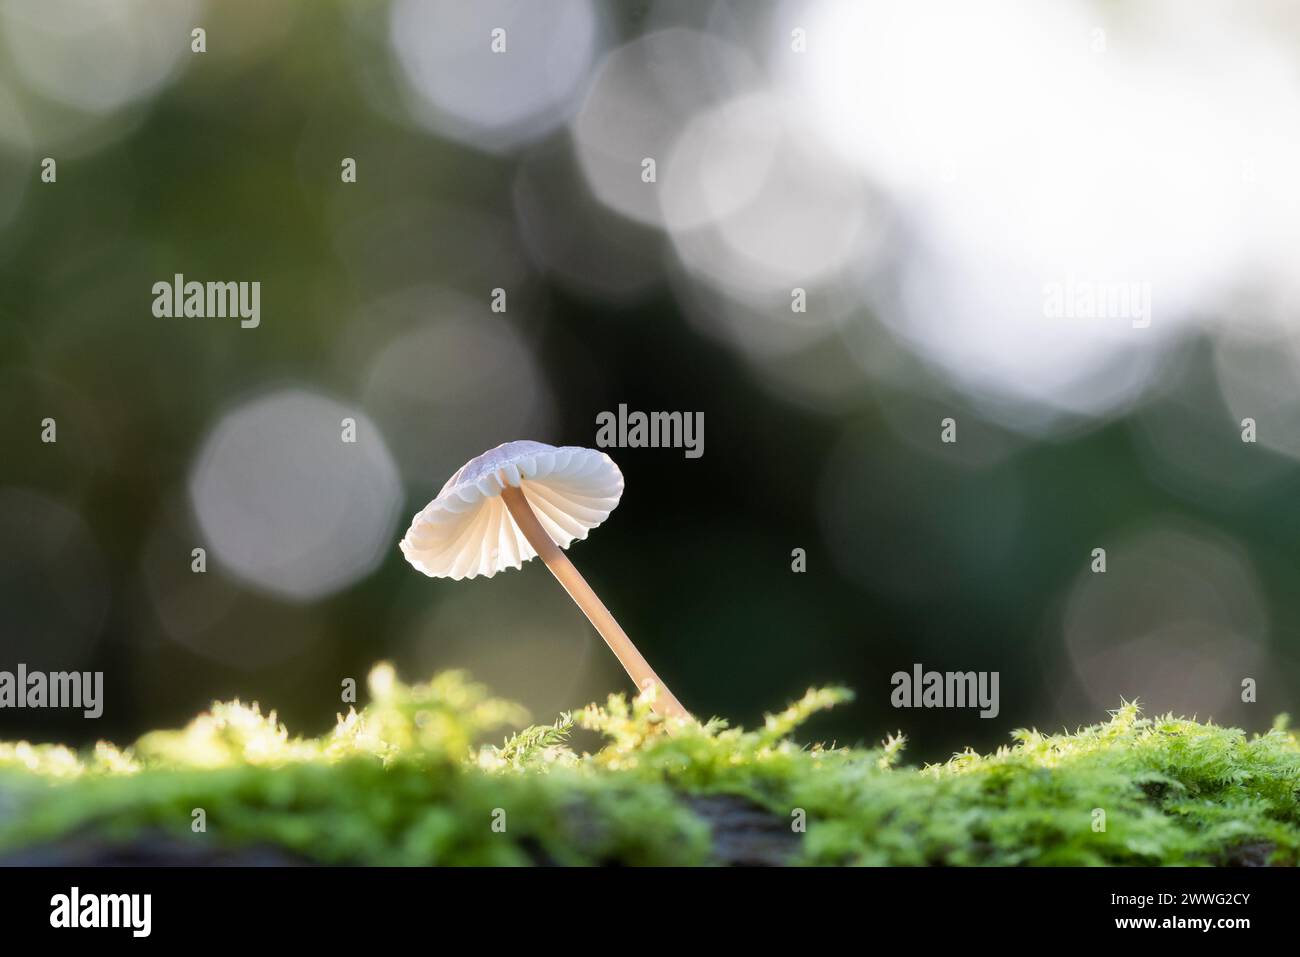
(405, 782)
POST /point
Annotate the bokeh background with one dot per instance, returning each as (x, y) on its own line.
(921, 169)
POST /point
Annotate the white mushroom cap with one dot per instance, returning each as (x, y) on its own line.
(467, 530)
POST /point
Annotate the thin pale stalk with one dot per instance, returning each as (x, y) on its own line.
(633, 661)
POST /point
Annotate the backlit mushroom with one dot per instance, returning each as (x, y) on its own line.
(520, 500)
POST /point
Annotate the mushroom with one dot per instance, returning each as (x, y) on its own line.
(520, 500)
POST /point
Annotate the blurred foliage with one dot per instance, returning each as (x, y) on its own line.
(959, 557)
(403, 782)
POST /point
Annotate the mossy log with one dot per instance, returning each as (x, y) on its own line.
(407, 781)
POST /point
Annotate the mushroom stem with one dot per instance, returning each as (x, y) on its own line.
(632, 660)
